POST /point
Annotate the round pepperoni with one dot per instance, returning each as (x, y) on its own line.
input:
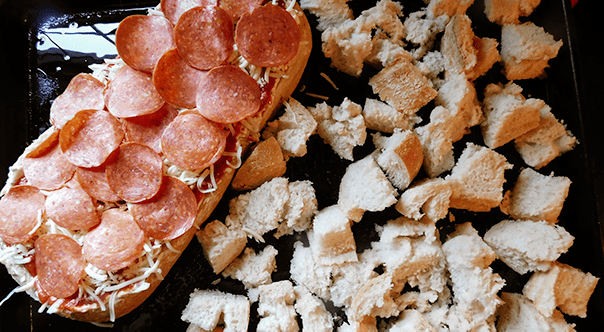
(268, 36)
(236, 8)
(136, 174)
(132, 93)
(48, 171)
(59, 264)
(142, 39)
(115, 243)
(94, 182)
(170, 213)
(82, 93)
(19, 211)
(193, 142)
(227, 94)
(90, 137)
(204, 37)
(72, 208)
(147, 129)
(176, 81)
(173, 9)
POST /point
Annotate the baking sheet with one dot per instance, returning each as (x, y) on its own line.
(33, 73)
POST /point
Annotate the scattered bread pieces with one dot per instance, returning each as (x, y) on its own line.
(331, 239)
(400, 156)
(508, 11)
(526, 245)
(263, 164)
(209, 308)
(519, 314)
(221, 244)
(526, 50)
(385, 118)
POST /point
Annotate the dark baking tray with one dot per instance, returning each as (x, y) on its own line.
(30, 78)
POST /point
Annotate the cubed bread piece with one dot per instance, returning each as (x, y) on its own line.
(477, 179)
(549, 140)
(385, 52)
(422, 30)
(292, 129)
(526, 245)
(403, 86)
(508, 11)
(221, 244)
(430, 195)
(411, 320)
(431, 65)
(253, 269)
(385, 118)
(519, 314)
(468, 251)
(315, 317)
(348, 278)
(385, 16)
(262, 209)
(508, 114)
(448, 7)
(526, 50)
(331, 239)
(308, 273)
(342, 127)
(264, 163)
(400, 156)
(276, 307)
(364, 187)
(374, 299)
(536, 196)
(348, 44)
(486, 57)
(329, 13)
(300, 208)
(208, 308)
(457, 46)
(562, 286)
(436, 138)
(458, 95)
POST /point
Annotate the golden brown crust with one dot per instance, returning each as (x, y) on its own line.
(283, 88)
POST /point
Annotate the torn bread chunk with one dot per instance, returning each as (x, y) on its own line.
(431, 65)
(403, 87)
(487, 56)
(315, 317)
(519, 314)
(448, 7)
(329, 13)
(436, 138)
(526, 245)
(508, 11)
(422, 30)
(331, 239)
(300, 208)
(526, 50)
(347, 45)
(221, 244)
(263, 164)
(342, 127)
(292, 129)
(546, 142)
(364, 187)
(308, 273)
(411, 320)
(348, 278)
(382, 117)
(477, 179)
(431, 196)
(400, 156)
(508, 114)
(536, 196)
(374, 299)
(457, 46)
(562, 286)
(209, 308)
(385, 52)
(253, 269)
(276, 307)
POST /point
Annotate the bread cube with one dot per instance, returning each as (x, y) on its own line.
(264, 163)
(385, 118)
(400, 156)
(315, 316)
(430, 195)
(221, 244)
(448, 7)
(208, 308)
(436, 138)
(519, 314)
(411, 320)
(508, 11)
(253, 269)
(276, 307)
(331, 239)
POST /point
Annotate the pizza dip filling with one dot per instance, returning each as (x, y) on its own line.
(136, 144)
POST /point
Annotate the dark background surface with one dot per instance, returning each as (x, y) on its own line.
(573, 90)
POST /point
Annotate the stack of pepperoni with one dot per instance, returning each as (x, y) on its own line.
(100, 170)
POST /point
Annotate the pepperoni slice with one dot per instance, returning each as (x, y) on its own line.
(48, 171)
(227, 94)
(148, 129)
(132, 93)
(170, 213)
(204, 37)
(19, 210)
(90, 137)
(176, 81)
(137, 173)
(115, 243)
(193, 142)
(82, 93)
(268, 36)
(236, 8)
(59, 264)
(173, 9)
(94, 182)
(71, 207)
(142, 39)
